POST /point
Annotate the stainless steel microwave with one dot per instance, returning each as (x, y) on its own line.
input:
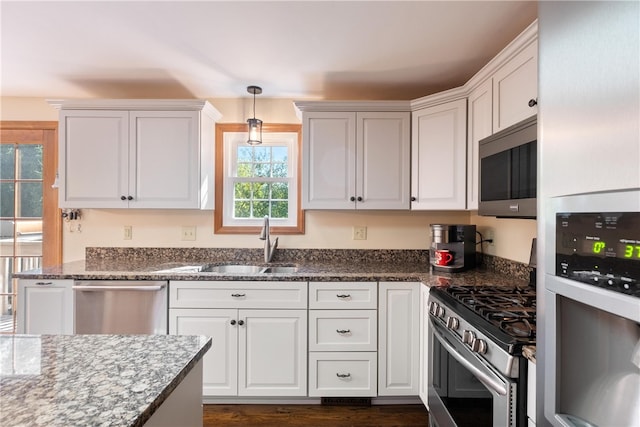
(508, 165)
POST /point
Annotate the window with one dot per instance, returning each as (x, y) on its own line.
(257, 181)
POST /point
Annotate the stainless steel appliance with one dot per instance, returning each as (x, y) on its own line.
(508, 162)
(477, 374)
(592, 315)
(458, 242)
(120, 307)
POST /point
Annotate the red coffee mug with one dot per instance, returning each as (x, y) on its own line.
(443, 257)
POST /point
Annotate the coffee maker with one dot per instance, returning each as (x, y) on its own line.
(453, 247)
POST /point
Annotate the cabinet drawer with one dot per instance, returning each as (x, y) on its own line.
(342, 374)
(339, 295)
(250, 294)
(343, 330)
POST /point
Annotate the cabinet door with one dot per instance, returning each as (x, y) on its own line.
(398, 330)
(383, 160)
(479, 126)
(45, 307)
(329, 150)
(167, 162)
(423, 366)
(514, 85)
(273, 353)
(220, 367)
(94, 159)
(439, 156)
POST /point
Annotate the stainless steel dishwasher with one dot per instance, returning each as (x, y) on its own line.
(120, 307)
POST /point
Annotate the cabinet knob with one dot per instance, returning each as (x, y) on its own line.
(123, 198)
(240, 322)
(533, 102)
(353, 199)
(233, 322)
(359, 199)
(130, 198)
(413, 199)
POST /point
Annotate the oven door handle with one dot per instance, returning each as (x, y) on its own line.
(495, 384)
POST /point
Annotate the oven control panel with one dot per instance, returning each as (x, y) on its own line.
(601, 249)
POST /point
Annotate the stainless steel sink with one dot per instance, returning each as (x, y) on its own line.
(280, 269)
(233, 269)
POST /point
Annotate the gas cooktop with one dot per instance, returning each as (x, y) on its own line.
(507, 314)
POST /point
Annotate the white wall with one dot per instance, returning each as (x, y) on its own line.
(324, 229)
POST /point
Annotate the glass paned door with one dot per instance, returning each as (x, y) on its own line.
(21, 216)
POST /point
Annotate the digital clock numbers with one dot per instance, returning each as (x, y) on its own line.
(624, 250)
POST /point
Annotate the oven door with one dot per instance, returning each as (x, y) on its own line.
(490, 403)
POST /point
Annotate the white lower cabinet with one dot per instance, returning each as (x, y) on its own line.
(343, 339)
(398, 335)
(423, 367)
(259, 346)
(45, 307)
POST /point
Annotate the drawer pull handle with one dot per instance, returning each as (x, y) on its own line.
(44, 283)
(343, 331)
(238, 295)
(343, 376)
(343, 296)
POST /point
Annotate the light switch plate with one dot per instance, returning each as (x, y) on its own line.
(360, 233)
(188, 233)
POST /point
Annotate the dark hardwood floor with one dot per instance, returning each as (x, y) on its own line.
(315, 416)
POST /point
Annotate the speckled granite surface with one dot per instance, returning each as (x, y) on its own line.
(91, 380)
(312, 265)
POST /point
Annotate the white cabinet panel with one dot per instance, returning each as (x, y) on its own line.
(342, 374)
(45, 307)
(514, 85)
(423, 367)
(480, 125)
(398, 331)
(355, 160)
(439, 156)
(343, 330)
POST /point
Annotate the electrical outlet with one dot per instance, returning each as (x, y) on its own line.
(360, 233)
(188, 233)
(488, 235)
(128, 232)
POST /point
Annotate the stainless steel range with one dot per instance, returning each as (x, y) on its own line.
(477, 374)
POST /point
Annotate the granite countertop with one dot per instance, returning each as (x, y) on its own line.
(91, 380)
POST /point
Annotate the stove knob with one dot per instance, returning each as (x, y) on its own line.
(433, 307)
(453, 323)
(468, 337)
(479, 346)
(440, 312)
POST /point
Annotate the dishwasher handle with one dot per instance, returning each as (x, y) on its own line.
(119, 288)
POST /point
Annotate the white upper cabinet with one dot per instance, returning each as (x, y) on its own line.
(439, 156)
(515, 88)
(355, 159)
(479, 125)
(136, 154)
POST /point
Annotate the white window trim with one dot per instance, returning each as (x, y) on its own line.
(231, 141)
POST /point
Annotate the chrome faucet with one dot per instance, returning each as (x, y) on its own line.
(269, 248)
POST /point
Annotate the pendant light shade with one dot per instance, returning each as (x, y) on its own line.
(254, 125)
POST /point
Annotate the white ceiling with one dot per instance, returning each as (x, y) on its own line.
(214, 49)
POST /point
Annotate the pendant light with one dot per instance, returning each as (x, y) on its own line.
(254, 125)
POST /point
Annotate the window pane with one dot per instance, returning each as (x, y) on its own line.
(262, 154)
(245, 154)
(6, 238)
(7, 193)
(30, 161)
(260, 209)
(280, 170)
(7, 161)
(260, 191)
(279, 154)
(280, 190)
(242, 190)
(244, 170)
(280, 209)
(30, 199)
(262, 169)
(242, 209)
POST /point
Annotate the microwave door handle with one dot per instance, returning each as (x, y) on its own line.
(487, 380)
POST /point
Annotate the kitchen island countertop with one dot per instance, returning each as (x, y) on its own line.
(91, 380)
